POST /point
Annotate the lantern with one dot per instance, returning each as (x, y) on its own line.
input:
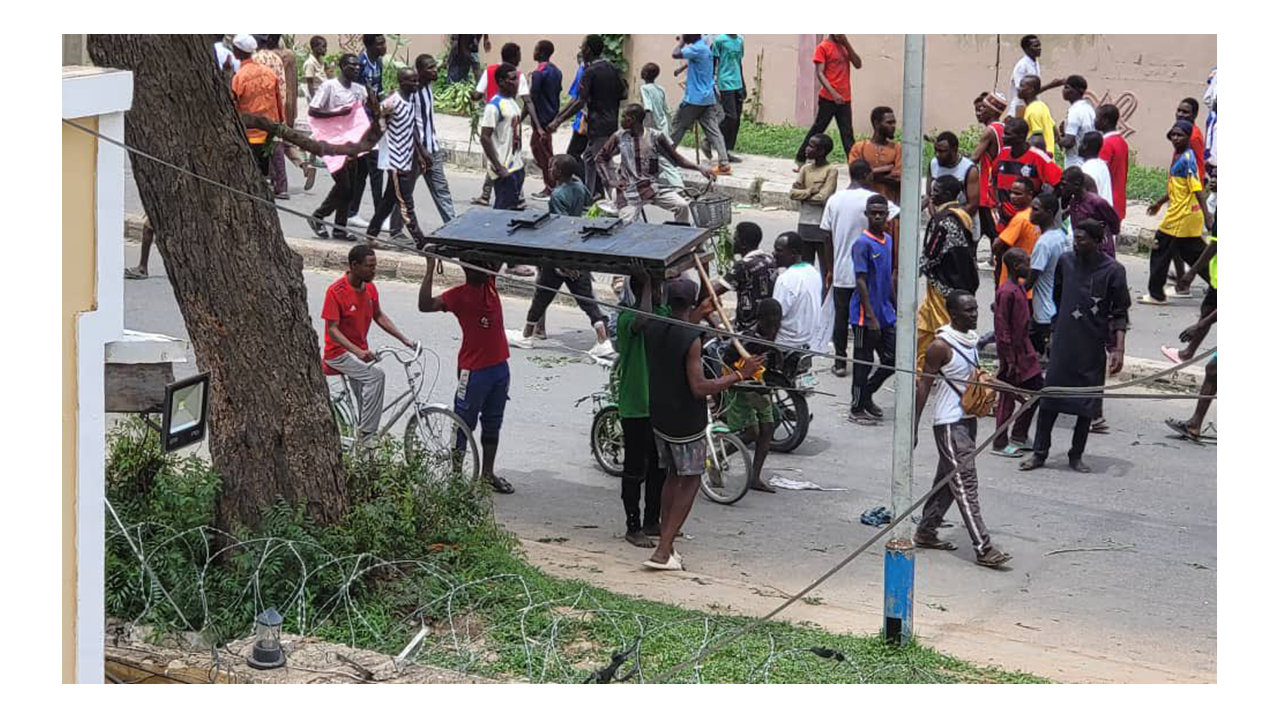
(267, 651)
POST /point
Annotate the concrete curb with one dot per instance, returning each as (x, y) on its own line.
(758, 191)
(408, 267)
(331, 255)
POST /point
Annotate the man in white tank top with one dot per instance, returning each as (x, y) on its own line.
(953, 354)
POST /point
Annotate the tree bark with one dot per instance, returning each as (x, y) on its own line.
(239, 286)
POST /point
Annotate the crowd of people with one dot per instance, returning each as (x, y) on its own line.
(1061, 309)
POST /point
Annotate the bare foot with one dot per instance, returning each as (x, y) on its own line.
(1078, 465)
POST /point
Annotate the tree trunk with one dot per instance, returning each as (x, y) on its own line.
(238, 285)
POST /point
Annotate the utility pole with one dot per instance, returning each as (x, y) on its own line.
(899, 554)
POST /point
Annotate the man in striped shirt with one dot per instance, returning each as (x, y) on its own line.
(1020, 159)
(399, 156)
(433, 155)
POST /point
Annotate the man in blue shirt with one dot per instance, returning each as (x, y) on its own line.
(545, 84)
(699, 102)
(727, 51)
(871, 311)
(375, 47)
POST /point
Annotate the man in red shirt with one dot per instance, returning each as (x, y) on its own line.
(831, 60)
(483, 374)
(1115, 153)
(1187, 110)
(988, 108)
(350, 306)
(1020, 159)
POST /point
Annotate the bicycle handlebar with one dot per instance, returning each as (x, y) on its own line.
(398, 352)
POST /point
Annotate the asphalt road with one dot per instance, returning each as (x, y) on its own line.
(1151, 326)
(1152, 603)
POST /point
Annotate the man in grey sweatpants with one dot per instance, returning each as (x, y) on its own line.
(951, 357)
(350, 306)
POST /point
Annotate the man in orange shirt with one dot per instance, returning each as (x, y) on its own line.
(1020, 232)
(257, 92)
(885, 158)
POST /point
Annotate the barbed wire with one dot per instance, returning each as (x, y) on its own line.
(551, 657)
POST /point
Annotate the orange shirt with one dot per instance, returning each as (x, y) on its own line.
(1019, 233)
(877, 156)
(257, 92)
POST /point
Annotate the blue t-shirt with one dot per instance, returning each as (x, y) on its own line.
(545, 84)
(1044, 257)
(728, 53)
(873, 257)
(573, 93)
(699, 88)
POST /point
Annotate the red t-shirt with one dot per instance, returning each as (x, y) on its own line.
(1035, 164)
(479, 312)
(1196, 142)
(986, 166)
(354, 311)
(491, 82)
(1115, 153)
(836, 69)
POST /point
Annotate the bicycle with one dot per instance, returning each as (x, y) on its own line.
(723, 482)
(434, 429)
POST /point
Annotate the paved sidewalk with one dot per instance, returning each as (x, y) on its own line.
(757, 180)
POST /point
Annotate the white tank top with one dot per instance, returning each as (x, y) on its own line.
(946, 408)
(959, 172)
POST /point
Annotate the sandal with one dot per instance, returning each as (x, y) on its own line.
(1172, 354)
(1100, 427)
(672, 563)
(1009, 451)
(133, 274)
(1146, 299)
(994, 558)
(1183, 429)
(933, 543)
(500, 485)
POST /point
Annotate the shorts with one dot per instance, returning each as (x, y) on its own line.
(747, 408)
(482, 396)
(684, 459)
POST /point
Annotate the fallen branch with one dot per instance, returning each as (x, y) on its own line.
(1089, 549)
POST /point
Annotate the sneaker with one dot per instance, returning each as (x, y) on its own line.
(357, 221)
(603, 349)
(343, 235)
(317, 227)
(875, 410)
(541, 195)
(515, 338)
(862, 417)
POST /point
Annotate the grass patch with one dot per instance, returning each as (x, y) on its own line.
(420, 550)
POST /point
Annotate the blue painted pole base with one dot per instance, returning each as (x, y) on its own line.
(899, 591)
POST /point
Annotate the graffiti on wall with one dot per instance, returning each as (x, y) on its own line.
(1126, 102)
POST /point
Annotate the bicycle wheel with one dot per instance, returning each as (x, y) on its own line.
(435, 431)
(606, 440)
(346, 421)
(728, 475)
(792, 423)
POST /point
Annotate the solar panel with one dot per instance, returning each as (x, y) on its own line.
(536, 237)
